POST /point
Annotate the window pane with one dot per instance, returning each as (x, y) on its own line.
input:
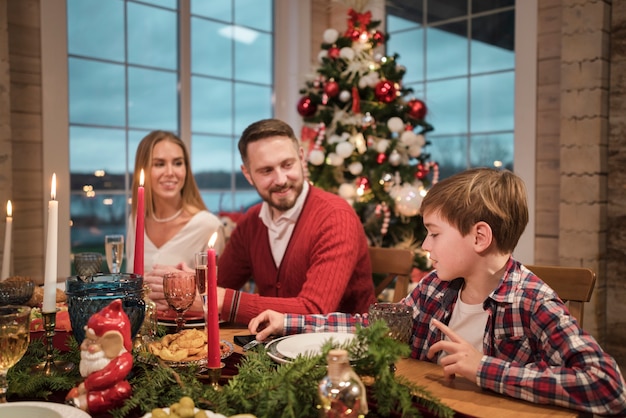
(96, 93)
(170, 4)
(443, 10)
(152, 36)
(93, 149)
(211, 155)
(216, 9)
(492, 102)
(211, 50)
(447, 106)
(99, 38)
(446, 51)
(251, 104)
(253, 60)
(134, 138)
(411, 43)
(397, 23)
(486, 5)
(493, 42)
(450, 152)
(153, 99)
(211, 106)
(495, 150)
(254, 13)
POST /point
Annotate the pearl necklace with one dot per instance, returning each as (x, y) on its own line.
(171, 218)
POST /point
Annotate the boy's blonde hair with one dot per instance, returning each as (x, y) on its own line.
(497, 197)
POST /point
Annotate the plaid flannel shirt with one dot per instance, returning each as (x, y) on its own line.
(533, 349)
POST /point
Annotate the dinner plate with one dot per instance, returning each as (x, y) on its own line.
(170, 316)
(40, 410)
(209, 414)
(285, 349)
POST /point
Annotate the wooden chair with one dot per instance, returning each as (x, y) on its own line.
(572, 284)
(397, 264)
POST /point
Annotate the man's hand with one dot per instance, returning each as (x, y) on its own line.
(267, 323)
(462, 358)
(154, 279)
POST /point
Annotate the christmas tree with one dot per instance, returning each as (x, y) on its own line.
(365, 134)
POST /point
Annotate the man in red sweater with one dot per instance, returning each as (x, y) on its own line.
(305, 248)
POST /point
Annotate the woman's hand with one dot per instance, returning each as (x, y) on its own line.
(267, 323)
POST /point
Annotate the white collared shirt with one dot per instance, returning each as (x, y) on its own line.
(280, 230)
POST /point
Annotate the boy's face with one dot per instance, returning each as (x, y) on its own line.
(451, 253)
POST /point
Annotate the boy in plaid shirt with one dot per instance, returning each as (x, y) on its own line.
(480, 313)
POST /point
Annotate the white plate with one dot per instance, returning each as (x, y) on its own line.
(285, 349)
(210, 414)
(40, 410)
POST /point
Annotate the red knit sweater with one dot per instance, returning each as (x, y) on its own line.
(326, 266)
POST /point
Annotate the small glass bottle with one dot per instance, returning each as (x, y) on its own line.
(149, 327)
(341, 391)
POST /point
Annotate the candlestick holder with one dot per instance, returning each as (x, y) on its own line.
(50, 366)
(214, 374)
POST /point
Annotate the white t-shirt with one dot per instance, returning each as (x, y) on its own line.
(192, 238)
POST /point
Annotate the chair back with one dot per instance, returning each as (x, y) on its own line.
(572, 284)
(397, 264)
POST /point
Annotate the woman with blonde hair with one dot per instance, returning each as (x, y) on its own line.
(177, 222)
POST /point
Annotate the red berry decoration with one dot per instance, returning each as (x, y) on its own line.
(385, 91)
(378, 37)
(333, 52)
(306, 107)
(381, 158)
(422, 171)
(417, 109)
(331, 88)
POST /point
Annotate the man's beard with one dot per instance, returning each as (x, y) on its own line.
(284, 204)
(92, 362)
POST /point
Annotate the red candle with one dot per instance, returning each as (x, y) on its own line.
(139, 228)
(214, 358)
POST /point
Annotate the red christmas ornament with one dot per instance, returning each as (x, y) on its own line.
(331, 88)
(422, 171)
(306, 107)
(385, 91)
(417, 109)
(363, 183)
(381, 158)
(333, 52)
(378, 37)
(353, 34)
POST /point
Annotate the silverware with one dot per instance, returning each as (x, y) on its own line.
(254, 343)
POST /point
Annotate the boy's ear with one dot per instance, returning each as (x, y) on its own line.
(483, 236)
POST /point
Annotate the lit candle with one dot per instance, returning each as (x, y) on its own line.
(6, 256)
(139, 229)
(214, 358)
(50, 278)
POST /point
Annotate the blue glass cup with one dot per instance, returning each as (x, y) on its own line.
(85, 298)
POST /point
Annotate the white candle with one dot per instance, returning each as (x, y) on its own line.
(50, 278)
(6, 256)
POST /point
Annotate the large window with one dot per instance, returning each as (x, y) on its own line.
(460, 59)
(200, 68)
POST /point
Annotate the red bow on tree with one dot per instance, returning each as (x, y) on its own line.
(358, 20)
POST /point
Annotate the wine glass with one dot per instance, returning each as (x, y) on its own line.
(114, 249)
(179, 288)
(14, 339)
(201, 277)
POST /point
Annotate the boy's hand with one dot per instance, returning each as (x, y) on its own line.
(267, 323)
(462, 358)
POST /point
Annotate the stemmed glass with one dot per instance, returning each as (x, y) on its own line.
(14, 339)
(201, 277)
(114, 249)
(179, 288)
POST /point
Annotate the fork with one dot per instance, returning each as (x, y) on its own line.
(255, 342)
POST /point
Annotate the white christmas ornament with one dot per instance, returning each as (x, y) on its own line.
(382, 145)
(364, 81)
(415, 151)
(322, 54)
(330, 36)
(355, 168)
(408, 200)
(421, 141)
(347, 191)
(409, 138)
(344, 149)
(334, 139)
(344, 96)
(373, 79)
(395, 124)
(316, 157)
(346, 53)
(395, 158)
(334, 159)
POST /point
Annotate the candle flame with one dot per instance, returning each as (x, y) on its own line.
(141, 178)
(9, 209)
(213, 239)
(53, 189)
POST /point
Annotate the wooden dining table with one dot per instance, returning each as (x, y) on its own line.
(459, 394)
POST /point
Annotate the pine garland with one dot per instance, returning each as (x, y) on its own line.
(261, 387)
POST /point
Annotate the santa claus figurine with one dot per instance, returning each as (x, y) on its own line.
(106, 360)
